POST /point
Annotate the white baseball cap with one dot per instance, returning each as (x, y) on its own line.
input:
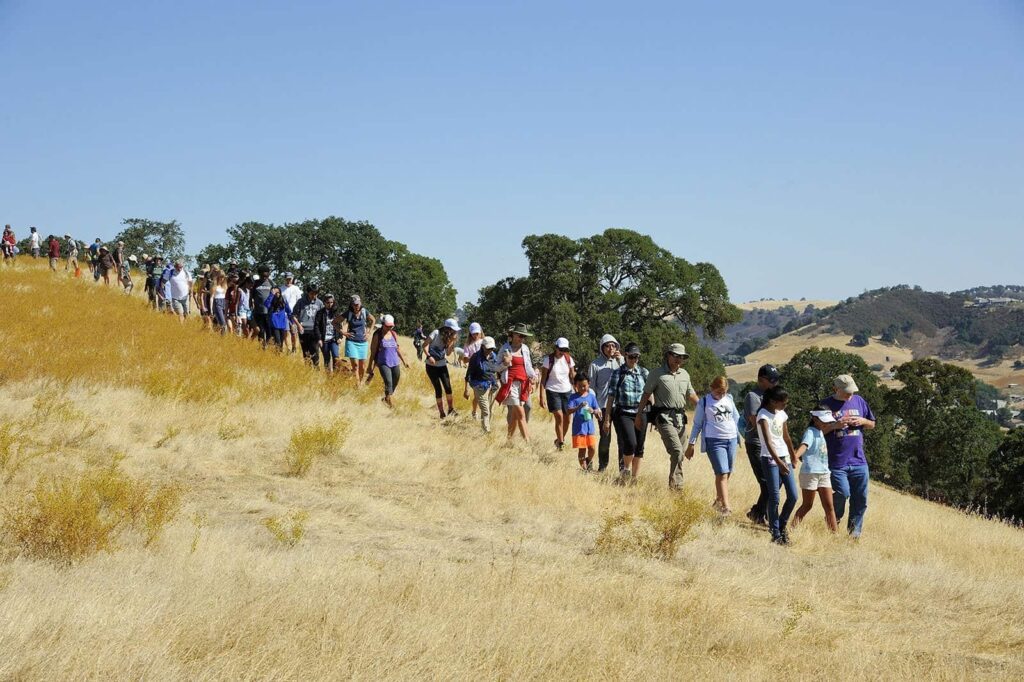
(453, 324)
(488, 343)
(562, 342)
(389, 321)
(475, 328)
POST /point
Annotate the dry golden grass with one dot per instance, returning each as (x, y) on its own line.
(430, 551)
(775, 305)
(784, 347)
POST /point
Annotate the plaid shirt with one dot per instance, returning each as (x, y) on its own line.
(627, 387)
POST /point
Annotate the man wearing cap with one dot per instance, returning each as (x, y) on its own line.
(671, 389)
(291, 293)
(482, 376)
(262, 288)
(767, 377)
(844, 439)
(600, 374)
(556, 379)
(72, 247)
(303, 321)
(53, 249)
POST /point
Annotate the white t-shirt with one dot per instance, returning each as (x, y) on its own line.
(34, 240)
(775, 424)
(219, 293)
(560, 376)
(719, 417)
(291, 295)
(181, 284)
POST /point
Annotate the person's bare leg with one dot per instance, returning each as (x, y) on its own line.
(563, 426)
(805, 506)
(722, 492)
(830, 509)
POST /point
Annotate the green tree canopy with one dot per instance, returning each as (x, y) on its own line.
(945, 440)
(1006, 476)
(808, 377)
(344, 258)
(152, 237)
(618, 282)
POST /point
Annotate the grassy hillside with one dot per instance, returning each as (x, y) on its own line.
(417, 550)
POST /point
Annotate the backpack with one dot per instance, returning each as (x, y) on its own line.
(551, 366)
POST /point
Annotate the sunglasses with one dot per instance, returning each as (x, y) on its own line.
(633, 356)
(677, 355)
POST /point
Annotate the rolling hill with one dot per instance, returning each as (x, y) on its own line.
(413, 549)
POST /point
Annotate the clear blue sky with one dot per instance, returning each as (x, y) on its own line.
(806, 148)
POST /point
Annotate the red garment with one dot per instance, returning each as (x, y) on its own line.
(54, 248)
(516, 373)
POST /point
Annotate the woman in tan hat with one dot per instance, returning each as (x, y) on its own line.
(517, 380)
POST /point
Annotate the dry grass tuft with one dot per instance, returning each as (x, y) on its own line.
(288, 529)
(312, 442)
(69, 518)
(657, 531)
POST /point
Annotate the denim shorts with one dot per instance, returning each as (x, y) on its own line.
(557, 402)
(722, 453)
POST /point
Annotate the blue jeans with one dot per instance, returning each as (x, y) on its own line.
(774, 479)
(851, 483)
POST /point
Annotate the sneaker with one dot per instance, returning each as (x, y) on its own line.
(756, 519)
(780, 540)
(453, 412)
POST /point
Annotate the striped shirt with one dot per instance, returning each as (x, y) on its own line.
(626, 386)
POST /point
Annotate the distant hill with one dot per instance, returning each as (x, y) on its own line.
(981, 329)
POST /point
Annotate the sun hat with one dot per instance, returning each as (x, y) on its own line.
(520, 329)
(678, 349)
(289, 275)
(356, 300)
(144, 256)
(823, 415)
(846, 383)
(389, 321)
(475, 328)
(453, 324)
(769, 372)
(133, 259)
(562, 343)
(488, 343)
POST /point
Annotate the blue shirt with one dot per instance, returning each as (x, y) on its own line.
(816, 457)
(583, 424)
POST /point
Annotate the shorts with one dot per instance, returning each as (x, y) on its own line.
(815, 481)
(584, 441)
(512, 399)
(557, 402)
(332, 349)
(355, 350)
(722, 453)
(180, 306)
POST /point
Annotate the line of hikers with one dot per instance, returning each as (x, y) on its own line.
(614, 393)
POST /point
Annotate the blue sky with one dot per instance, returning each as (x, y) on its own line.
(806, 148)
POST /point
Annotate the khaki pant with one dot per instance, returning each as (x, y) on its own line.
(672, 430)
(484, 399)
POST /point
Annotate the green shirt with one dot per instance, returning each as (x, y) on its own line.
(669, 390)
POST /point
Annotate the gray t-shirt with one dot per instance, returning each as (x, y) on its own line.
(305, 312)
(751, 405)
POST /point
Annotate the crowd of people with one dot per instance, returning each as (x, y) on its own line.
(615, 394)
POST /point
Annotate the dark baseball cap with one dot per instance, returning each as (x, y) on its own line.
(769, 372)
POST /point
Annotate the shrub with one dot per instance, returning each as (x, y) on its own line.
(289, 529)
(309, 443)
(66, 519)
(656, 532)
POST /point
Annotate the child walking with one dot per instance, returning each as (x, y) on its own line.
(776, 455)
(814, 471)
(583, 407)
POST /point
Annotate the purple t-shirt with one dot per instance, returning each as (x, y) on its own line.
(846, 446)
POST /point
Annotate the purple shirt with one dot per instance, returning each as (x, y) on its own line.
(846, 446)
(387, 351)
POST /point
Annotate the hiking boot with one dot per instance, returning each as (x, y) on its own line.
(756, 519)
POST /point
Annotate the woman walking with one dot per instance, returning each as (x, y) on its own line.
(326, 321)
(517, 380)
(776, 458)
(472, 347)
(280, 314)
(357, 321)
(716, 419)
(624, 411)
(442, 343)
(219, 301)
(556, 378)
(386, 354)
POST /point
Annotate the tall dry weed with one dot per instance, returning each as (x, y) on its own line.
(312, 442)
(656, 531)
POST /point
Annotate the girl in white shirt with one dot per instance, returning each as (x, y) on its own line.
(776, 458)
(716, 419)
